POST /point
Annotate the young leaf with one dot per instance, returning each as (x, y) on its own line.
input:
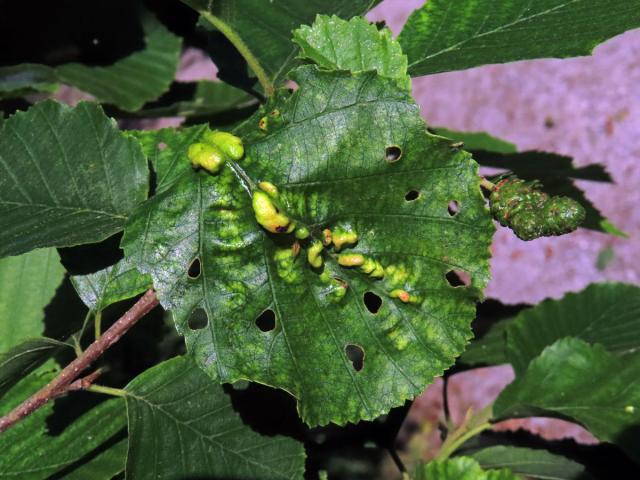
(29, 452)
(476, 140)
(459, 468)
(356, 176)
(67, 176)
(100, 289)
(572, 379)
(532, 463)
(264, 28)
(604, 313)
(446, 35)
(354, 45)
(24, 358)
(28, 283)
(139, 78)
(182, 425)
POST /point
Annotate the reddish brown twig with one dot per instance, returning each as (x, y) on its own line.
(82, 383)
(71, 372)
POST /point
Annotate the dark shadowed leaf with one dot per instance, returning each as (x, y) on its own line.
(104, 465)
(491, 349)
(29, 452)
(331, 153)
(604, 313)
(27, 284)
(20, 80)
(532, 463)
(266, 27)
(182, 425)
(447, 35)
(67, 176)
(139, 78)
(572, 379)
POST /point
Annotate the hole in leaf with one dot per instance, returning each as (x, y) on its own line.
(392, 153)
(372, 301)
(266, 321)
(198, 319)
(194, 269)
(355, 354)
(458, 278)
(412, 195)
(453, 208)
(162, 146)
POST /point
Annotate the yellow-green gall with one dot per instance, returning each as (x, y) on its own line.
(351, 259)
(269, 187)
(269, 216)
(326, 237)
(228, 143)
(372, 268)
(314, 256)
(263, 124)
(302, 233)
(285, 265)
(629, 409)
(404, 296)
(203, 155)
(342, 237)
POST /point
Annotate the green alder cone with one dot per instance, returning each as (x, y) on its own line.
(531, 213)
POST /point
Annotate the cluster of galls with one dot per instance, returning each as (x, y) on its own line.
(270, 214)
(214, 150)
(530, 212)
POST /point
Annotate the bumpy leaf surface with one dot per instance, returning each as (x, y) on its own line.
(447, 35)
(460, 468)
(605, 313)
(29, 452)
(532, 463)
(573, 379)
(354, 45)
(182, 425)
(328, 156)
(27, 284)
(110, 285)
(67, 176)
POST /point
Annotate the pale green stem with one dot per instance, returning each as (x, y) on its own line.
(487, 184)
(452, 443)
(97, 324)
(237, 42)
(114, 392)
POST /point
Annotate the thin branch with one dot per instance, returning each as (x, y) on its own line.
(71, 372)
(484, 183)
(82, 383)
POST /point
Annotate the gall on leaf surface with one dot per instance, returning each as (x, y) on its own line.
(326, 152)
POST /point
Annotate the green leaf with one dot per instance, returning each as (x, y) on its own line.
(354, 45)
(103, 466)
(446, 35)
(604, 313)
(459, 468)
(605, 257)
(182, 425)
(110, 285)
(488, 350)
(265, 27)
(139, 78)
(30, 453)
(67, 176)
(28, 283)
(20, 80)
(24, 359)
(328, 158)
(476, 140)
(572, 379)
(532, 463)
